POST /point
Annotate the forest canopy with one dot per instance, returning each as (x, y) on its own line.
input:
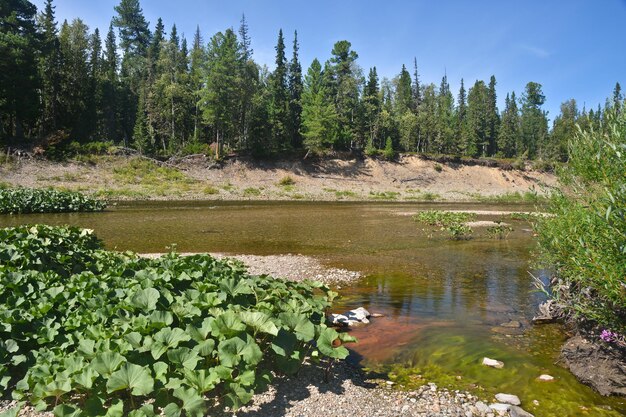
(149, 89)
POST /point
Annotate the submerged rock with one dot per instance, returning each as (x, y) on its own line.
(493, 363)
(545, 377)
(601, 366)
(515, 411)
(508, 399)
(514, 324)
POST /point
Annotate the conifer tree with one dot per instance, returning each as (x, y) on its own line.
(534, 123)
(444, 140)
(110, 87)
(49, 70)
(343, 75)
(371, 106)
(295, 95)
(461, 118)
(509, 133)
(404, 92)
(319, 119)
(477, 120)
(493, 118)
(279, 104)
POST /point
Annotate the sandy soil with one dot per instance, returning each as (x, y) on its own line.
(290, 267)
(409, 178)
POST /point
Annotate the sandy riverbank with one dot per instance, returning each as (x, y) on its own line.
(410, 178)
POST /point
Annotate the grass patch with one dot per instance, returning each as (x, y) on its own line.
(286, 181)
(514, 197)
(384, 195)
(251, 192)
(210, 190)
(345, 194)
(145, 172)
(126, 193)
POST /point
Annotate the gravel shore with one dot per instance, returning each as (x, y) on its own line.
(290, 267)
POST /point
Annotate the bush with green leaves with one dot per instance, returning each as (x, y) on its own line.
(585, 240)
(450, 222)
(34, 200)
(88, 332)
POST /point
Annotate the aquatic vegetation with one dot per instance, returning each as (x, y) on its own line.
(34, 200)
(499, 231)
(102, 332)
(451, 222)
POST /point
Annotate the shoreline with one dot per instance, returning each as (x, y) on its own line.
(408, 179)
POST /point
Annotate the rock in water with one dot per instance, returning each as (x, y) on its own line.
(358, 314)
(493, 363)
(545, 377)
(515, 411)
(599, 365)
(513, 324)
(339, 319)
(508, 399)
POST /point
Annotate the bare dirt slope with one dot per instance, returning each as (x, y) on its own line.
(408, 178)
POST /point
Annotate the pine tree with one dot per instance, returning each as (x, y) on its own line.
(134, 33)
(319, 119)
(343, 77)
(110, 87)
(509, 133)
(404, 92)
(295, 96)
(279, 110)
(461, 118)
(534, 123)
(444, 141)
(493, 118)
(49, 70)
(477, 120)
(19, 79)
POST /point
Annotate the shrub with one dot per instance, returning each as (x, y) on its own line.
(33, 200)
(102, 332)
(389, 153)
(585, 242)
(251, 192)
(286, 180)
(438, 167)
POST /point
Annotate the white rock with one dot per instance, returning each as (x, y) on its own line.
(519, 412)
(501, 409)
(493, 363)
(482, 407)
(339, 319)
(545, 377)
(358, 314)
(508, 399)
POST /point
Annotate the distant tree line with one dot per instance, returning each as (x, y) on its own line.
(153, 91)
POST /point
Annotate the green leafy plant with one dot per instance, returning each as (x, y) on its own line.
(499, 231)
(451, 222)
(34, 200)
(88, 332)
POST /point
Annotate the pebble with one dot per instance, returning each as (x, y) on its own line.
(508, 399)
(493, 363)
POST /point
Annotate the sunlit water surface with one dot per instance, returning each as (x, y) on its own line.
(443, 301)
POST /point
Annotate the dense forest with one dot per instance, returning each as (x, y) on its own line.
(152, 91)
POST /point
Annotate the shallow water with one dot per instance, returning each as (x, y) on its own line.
(443, 300)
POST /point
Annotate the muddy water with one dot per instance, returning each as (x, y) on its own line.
(444, 301)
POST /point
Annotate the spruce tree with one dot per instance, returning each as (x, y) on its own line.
(444, 141)
(295, 96)
(509, 133)
(49, 70)
(110, 87)
(371, 105)
(404, 92)
(534, 123)
(461, 118)
(198, 62)
(477, 141)
(493, 118)
(279, 104)
(343, 75)
(319, 118)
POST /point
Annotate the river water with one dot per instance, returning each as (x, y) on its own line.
(443, 301)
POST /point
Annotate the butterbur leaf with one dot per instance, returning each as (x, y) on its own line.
(116, 409)
(147, 410)
(146, 299)
(300, 324)
(259, 321)
(183, 356)
(200, 333)
(285, 343)
(325, 344)
(65, 410)
(135, 378)
(232, 351)
(12, 412)
(106, 363)
(85, 379)
(172, 410)
(234, 287)
(160, 371)
(167, 338)
(237, 396)
(193, 403)
(227, 324)
(134, 338)
(161, 318)
(57, 388)
(203, 380)
(205, 348)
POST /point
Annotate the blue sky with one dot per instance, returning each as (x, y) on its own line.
(574, 48)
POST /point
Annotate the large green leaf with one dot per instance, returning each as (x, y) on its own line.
(184, 357)
(106, 363)
(227, 324)
(193, 403)
(135, 378)
(300, 324)
(167, 338)
(325, 344)
(146, 299)
(232, 351)
(259, 321)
